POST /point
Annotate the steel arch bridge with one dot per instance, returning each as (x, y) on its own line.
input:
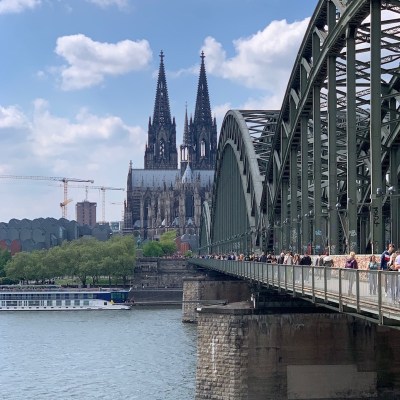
(323, 172)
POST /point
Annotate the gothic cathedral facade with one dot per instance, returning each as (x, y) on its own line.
(162, 196)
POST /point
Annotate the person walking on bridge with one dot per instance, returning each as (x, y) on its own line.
(385, 258)
(372, 276)
(306, 260)
(351, 263)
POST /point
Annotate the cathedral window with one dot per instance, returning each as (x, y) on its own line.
(189, 205)
(162, 148)
(184, 154)
(146, 212)
(203, 148)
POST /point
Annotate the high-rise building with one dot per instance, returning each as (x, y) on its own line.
(86, 213)
(162, 196)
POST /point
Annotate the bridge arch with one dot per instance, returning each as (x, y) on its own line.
(234, 218)
(331, 181)
(329, 160)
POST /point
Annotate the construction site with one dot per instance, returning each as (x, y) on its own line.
(43, 233)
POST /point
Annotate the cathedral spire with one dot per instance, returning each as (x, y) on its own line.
(186, 134)
(202, 114)
(203, 130)
(161, 152)
(162, 113)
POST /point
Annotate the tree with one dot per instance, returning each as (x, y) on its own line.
(5, 257)
(167, 242)
(152, 249)
(20, 267)
(82, 258)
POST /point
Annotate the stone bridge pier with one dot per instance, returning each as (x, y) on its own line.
(269, 345)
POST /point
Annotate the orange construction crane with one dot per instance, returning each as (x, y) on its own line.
(51, 178)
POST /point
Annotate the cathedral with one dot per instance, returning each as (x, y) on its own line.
(162, 196)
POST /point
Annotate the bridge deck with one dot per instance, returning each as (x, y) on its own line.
(346, 290)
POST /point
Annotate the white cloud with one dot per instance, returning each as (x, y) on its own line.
(87, 146)
(54, 136)
(89, 62)
(17, 6)
(12, 117)
(268, 102)
(220, 110)
(262, 61)
(121, 4)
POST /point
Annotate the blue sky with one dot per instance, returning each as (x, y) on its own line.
(78, 81)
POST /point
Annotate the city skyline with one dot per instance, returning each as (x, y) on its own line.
(79, 80)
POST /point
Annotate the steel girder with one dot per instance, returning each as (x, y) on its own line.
(331, 180)
(234, 220)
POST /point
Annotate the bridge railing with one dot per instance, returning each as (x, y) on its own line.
(374, 294)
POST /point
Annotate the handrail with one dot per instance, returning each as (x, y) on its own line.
(365, 292)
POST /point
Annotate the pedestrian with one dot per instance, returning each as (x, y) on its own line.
(385, 258)
(281, 258)
(372, 276)
(306, 261)
(392, 275)
(351, 263)
(319, 262)
(396, 268)
(329, 263)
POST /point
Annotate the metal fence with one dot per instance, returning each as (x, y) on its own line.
(374, 294)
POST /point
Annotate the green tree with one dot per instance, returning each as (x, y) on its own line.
(5, 257)
(120, 258)
(83, 258)
(167, 242)
(20, 267)
(152, 249)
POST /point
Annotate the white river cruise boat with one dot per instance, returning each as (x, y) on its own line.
(53, 298)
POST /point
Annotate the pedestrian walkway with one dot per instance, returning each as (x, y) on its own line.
(370, 294)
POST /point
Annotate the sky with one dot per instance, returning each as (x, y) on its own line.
(78, 82)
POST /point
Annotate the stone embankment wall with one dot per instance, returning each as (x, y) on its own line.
(160, 280)
(294, 356)
(162, 272)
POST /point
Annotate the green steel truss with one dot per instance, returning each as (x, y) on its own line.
(329, 162)
(244, 147)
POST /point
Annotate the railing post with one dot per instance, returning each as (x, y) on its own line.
(279, 275)
(325, 286)
(302, 280)
(340, 290)
(293, 280)
(380, 315)
(285, 268)
(358, 290)
(313, 283)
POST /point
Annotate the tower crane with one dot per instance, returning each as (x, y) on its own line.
(52, 178)
(103, 193)
(64, 204)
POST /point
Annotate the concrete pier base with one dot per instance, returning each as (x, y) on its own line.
(205, 291)
(256, 355)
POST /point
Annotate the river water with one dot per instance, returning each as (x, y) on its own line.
(144, 353)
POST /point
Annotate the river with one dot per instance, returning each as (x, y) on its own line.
(144, 353)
